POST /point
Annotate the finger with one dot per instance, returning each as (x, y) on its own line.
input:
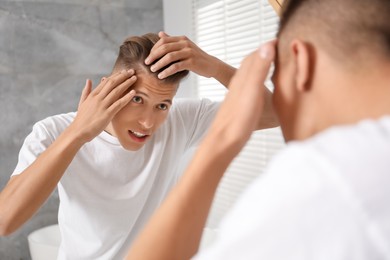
(154, 54)
(121, 103)
(267, 55)
(167, 54)
(170, 57)
(173, 68)
(255, 67)
(268, 50)
(114, 81)
(101, 85)
(163, 34)
(86, 91)
(119, 91)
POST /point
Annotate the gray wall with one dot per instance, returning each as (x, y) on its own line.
(47, 50)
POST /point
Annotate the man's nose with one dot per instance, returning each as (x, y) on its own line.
(147, 120)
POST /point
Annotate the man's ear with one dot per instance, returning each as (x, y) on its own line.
(303, 56)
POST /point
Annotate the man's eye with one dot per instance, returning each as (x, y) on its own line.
(162, 106)
(137, 100)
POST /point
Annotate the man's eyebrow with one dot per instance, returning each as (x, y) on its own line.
(142, 93)
(166, 100)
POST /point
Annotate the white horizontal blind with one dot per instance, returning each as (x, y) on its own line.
(230, 30)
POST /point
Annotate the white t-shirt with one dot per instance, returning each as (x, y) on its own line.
(324, 198)
(108, 193)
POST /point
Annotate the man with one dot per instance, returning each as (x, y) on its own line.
(115, 159)
(326, 195)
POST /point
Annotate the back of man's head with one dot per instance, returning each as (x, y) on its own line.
(349, 30)
(333, 64)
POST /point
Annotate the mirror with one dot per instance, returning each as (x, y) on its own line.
(277, 5)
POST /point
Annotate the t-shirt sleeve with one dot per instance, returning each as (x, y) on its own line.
(196, 117)
(296, 210)
(34, 144)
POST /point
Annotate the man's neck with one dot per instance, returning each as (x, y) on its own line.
(352, 97)
(342, 96)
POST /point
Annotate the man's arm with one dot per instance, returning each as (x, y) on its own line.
(186, 55)
(25, 193)
(175, 229)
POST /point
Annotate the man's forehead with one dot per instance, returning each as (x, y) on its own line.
(153, 86)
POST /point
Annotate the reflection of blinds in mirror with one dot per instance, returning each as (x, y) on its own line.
(230, 30)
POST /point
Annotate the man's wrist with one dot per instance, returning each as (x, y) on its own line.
(74, 137)
(223, 145)
(222, 71)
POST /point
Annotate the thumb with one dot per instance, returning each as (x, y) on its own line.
(86, 91)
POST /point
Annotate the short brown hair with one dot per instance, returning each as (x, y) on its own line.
(347, 29)
(133, 52)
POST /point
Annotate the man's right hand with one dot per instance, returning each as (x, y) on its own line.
(97, 107)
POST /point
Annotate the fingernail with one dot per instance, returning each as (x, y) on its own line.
(147, 61)
(130, 71)
(160, 76)
(264, 51)
(153, 68)
(123, 71)
(132, 92)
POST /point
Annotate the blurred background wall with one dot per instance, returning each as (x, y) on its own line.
(48, 48)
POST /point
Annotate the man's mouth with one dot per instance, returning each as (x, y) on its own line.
(137, 136)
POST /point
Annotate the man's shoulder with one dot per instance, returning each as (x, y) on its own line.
(352, 144)
(341, 152)
(343, 169)
(350, 161)
(55, 124)
(65, 118)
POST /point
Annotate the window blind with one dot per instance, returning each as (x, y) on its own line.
(230, 30)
